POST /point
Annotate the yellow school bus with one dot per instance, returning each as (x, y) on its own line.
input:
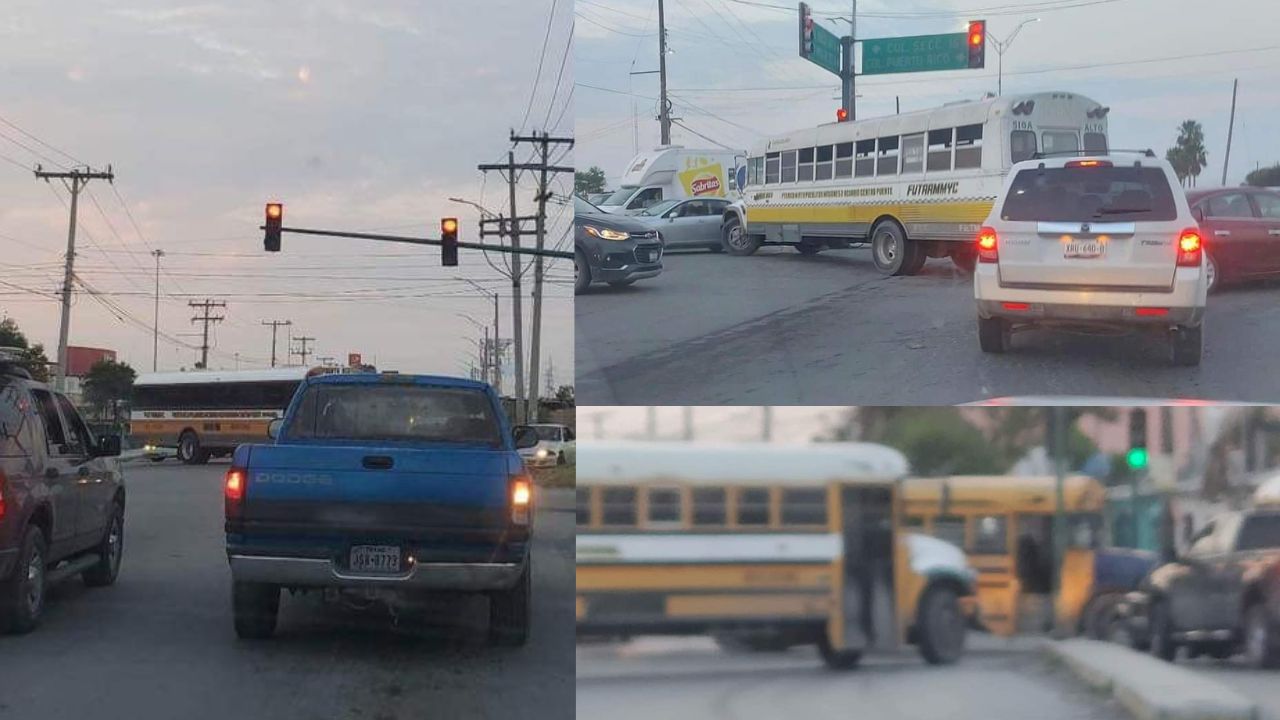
(802, 542)
(1005, 525)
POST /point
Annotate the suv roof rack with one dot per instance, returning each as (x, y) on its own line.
(1148, 152)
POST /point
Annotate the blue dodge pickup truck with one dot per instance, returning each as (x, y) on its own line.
(383, 486)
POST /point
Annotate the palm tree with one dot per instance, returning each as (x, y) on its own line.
(1188, 156)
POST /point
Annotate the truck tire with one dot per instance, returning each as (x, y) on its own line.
(940, 626)
(509, 611)
(891, 251)
(110, 551)
(837, 659)
(966, 259)
(993, 335)
(581, 272)
(735, 240)
(256, 607)
(1259, 638)
(22, 595)
(1186, 345)
(189, 450)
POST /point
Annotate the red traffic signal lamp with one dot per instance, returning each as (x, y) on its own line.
(841, 114)
(449, 242)
(977, 43)
(275, 216)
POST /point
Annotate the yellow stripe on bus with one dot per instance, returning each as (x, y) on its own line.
(794, 605)
(703, 577)
(949, 212)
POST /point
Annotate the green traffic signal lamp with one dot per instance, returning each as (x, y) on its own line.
(1137, 458)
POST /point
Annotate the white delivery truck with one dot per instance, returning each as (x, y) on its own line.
(672, 172)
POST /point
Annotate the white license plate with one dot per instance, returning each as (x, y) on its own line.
(375, 558)
(1084, 249)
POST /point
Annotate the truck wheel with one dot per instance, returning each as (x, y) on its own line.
(891, 252)
(22, 595)
(940, 627)
(1161, 643)
(581, 272)
(509, 612)
(110, 551)
(735, 240)
(1186, 345)
(837, 659)
(993, 335)
(189, 450)
(1259, 640)
(965, 258)
(256, 607)
(809, 248)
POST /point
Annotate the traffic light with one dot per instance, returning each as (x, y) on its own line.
(275, 215)
(1137, 455)
(977, 43)
(841, 114)
(806, 31)
(449, 242)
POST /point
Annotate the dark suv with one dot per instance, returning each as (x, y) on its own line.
(612, 249)
(61, 497)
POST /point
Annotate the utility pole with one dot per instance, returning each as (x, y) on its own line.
(275, 325)
(497, 350)
(545, 141)
(847, 97)
(664, 111)
(78, 179)
(155, 326)
(206, 318)
(1230, 127)
(1058, 429)
(550, 387)
(304, 352)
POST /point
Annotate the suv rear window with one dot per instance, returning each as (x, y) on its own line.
(17, 433)
(1110, 194)
(395, 412)
(1259, 532)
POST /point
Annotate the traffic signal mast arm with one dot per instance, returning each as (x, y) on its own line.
(424, 241)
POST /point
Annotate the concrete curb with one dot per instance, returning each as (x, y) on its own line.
(1150, 689)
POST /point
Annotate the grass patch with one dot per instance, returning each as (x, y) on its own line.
(559, 476)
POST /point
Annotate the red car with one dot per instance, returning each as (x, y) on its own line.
(1241, 228)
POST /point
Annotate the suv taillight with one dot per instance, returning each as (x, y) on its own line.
(521, 489)
(987, 251)
(1190, 247)
(233, 491)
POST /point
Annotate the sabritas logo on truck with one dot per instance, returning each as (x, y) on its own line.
(703, 186)
(704, 180)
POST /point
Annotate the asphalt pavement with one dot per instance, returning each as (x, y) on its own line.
(779, 328)
(680, 678)
(1260, 686)
(160, 643)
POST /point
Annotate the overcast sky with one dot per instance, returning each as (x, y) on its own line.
(357, 115)
(723, 52)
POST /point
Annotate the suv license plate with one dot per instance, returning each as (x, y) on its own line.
(375, 558)
(1084, 249)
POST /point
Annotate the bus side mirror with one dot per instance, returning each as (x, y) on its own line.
(273, 428)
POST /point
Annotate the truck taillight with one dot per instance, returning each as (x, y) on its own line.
(233, 490)
(1189, 248)
(987, 250)
(521, 499)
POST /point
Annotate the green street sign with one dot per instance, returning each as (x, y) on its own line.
(817, 44)
(917, 53)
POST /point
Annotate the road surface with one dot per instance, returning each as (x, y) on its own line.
(1260, 686)
(160, 644)
(779, 328)
(689, 678)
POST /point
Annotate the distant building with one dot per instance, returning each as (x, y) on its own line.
(79, 361)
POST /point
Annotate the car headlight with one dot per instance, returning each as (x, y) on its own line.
(542, 452)
(606, 233)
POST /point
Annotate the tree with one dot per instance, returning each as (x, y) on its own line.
(1188, 156)
(564, 394)
(36, 362)
(1264, 177)
(590, 180)
(106, 383)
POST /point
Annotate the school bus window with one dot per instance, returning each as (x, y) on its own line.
(618, 506)
(864, 159)
(822, 171)
(805, 172)
(771, 164)
(804, 506)
(887, 156)
(1060, 141)
(990, 535)
(584, 507)
(709, 506)
(939, 154)
(1022, 145)
(968, 146)
(949, 528)
(664, 506)
(789, 166)
(753, 506)
(844, 160)
(1095, 142)
(912, 153)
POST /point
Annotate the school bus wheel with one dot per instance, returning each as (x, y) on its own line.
(940, 626)
(837, 659)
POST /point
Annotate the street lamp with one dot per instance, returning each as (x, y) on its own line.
(484, 212)
(1001, 46)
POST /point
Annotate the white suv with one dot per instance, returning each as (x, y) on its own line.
(1098, 242)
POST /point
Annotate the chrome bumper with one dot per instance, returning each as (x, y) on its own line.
(308, 572)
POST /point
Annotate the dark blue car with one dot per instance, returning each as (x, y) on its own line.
(384, 486)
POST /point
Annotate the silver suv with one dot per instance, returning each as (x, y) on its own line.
(1099, 242)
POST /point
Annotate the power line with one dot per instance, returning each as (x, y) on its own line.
(542, 56)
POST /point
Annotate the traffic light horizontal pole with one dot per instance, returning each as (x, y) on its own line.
(425, 241)
(528, 166)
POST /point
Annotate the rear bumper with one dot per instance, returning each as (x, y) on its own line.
(1185, 302)
(315, 573)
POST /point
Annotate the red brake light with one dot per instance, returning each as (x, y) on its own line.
(1151, 311)
(521, 499)
(1189, 248)
(1088, 163)
(1016, 306)
(234, 488)
(987, 241)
